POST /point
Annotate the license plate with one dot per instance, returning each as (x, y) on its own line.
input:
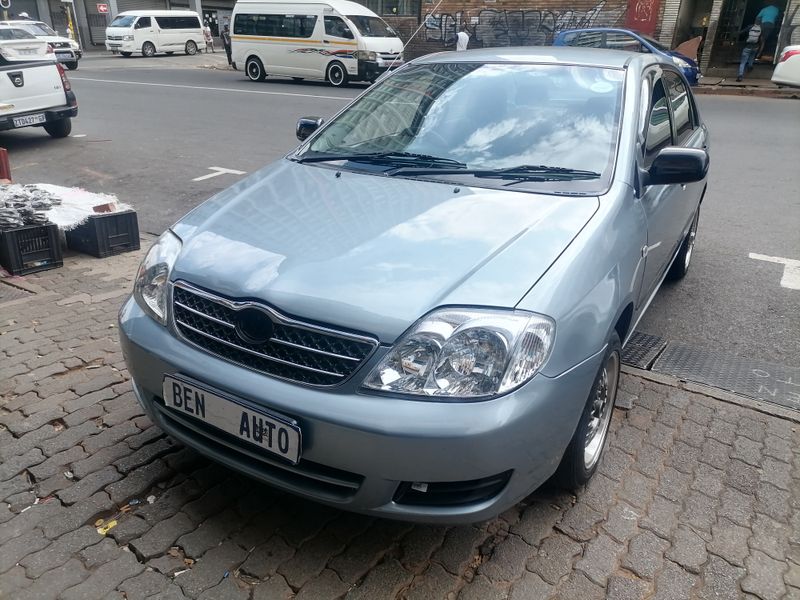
(274, 434)
(29, 120)
(63, 54)
(27, 51)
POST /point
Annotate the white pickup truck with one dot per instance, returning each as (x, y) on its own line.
(36, 94)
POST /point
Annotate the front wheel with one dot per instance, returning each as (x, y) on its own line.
(337, 76)
(191, 48)
(148, 49)
(254, 69)
(126, 54)
(72, 65)
(680, 266)
(59, 129)
(588, 442)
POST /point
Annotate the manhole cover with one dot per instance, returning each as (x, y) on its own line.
(9, 292)
(642, 349)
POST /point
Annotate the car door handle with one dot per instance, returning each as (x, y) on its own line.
(325, 42)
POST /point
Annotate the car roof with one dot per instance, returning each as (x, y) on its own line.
(159, 13)
(21, 21)
(345, 7)
(556, 55)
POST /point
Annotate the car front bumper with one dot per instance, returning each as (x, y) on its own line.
(50, 115)
(121, 46)
(360, 451)
(369, 70)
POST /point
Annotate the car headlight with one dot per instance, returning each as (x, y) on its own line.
(127, 38)
(681, 63)
(73, 45)
(465, 354)
(364, 55)
(150, 288)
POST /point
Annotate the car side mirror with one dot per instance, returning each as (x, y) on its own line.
(306, 126)
(677, 165)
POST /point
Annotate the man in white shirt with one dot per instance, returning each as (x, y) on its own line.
(462, 39)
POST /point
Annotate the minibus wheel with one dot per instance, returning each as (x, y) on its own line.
(337, 76)
(126, 54)
(191, 48)
(254, 69)
(148, 49)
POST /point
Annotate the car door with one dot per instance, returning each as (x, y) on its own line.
(661, 203)
(143, 32)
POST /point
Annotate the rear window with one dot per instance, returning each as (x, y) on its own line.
(8, 33)
(282, 25)
(178, 22)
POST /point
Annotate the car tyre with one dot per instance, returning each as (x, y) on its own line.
(583, 454)
(254, 69)
(126, 54)
(680, 266)
(191, 48)
(59, 129)
(170, 53)
(72, 65)
(148, 49)
(337, 74)
(297, 78)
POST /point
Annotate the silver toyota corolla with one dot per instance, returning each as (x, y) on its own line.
(419, 312)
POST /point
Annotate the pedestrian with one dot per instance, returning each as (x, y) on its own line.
(208, 36)
(462, 39)
(226, 41)
(25, 16)
(750, 50)
(767, 18)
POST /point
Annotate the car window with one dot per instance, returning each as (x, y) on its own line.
(681, 106)
(659, 125)
(336, 27)
(123, 21)
(143, 22)
(178, 22)
(299, 26)
(9, 33)
(587, 39)
(623, 41)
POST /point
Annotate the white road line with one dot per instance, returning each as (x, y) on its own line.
(219, 171)
(211, 89)
(78, 135)
(791, 269)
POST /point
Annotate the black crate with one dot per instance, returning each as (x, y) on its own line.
(30, 249)
(106, 234)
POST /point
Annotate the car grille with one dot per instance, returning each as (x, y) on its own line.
(114, 37)
(389, 55)
(295, 351)
(455, 493)
(59, 44)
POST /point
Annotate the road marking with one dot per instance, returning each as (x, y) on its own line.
(791, 269)
(78, 135)
(211, 89)
(219, 171)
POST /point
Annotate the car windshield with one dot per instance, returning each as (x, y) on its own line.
(8, 33)
(38, 28)
(508, 116)
(123, 21)
(372, 26)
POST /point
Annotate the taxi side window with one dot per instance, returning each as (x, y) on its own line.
(659, 123)
(142, 22)
(336, 27)
(682, 109)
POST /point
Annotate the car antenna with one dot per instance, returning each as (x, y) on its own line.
(413, 35)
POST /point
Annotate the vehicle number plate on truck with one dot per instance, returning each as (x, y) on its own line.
(269, 432)
(29, 120)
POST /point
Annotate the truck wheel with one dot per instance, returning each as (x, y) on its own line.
(254, 69)
(59, 129)
(72, 65)
(126, 54)
(191, 48)
(337, 75)
(148, 49)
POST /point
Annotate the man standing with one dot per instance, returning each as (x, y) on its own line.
(751, 46)
(767, 18)
(226, 40)
(462, 39)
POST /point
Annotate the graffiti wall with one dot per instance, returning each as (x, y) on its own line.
(497, 26)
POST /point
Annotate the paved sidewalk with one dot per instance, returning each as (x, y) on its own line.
(695, 498)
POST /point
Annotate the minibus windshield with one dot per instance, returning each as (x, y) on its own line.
(372, 26)
(123, 21)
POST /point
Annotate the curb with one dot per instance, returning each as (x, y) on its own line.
(715, 393)
(787, 94)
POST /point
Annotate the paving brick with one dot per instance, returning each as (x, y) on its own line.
(275, 588)
(13, 581)
(699, 511)
(60, 551)
(53, 484)
(102, 378)
(537, 522)
(13, 486)
(649, 461)
(109, 436)
(457, 552)
(554, 558)
(99, 460)
(310, 559)
(146, 454)
(27, 442)
(715, 453)
(615, 463)
(129, 413)
(307, 520)
(479, 588)
(743, 477)
(212, 502)
(579, 522)
(507, 562)
(325, 586)
(56, 464)
(87, 486)
(747, 451)
(159, 539)
(764, 576)
(674, 583)
(138, 482)
(622, 587)
(688, 550)
(645, 554)
(18, 425)
(16, 464)
(264, 561)
(73, 517)
(777, 473)
(144, 585)
(83, 415)
(770, 536)
(129, 528)
(105, 578)
(209, 533)
(600, 558)
(100, 553)
(148, 435)
(70, 437)
(736, 506)
(170, 501)
(417, 547)
(208, 572)
(720, 580)
(673, 485)
(577, 586)
(622, 521)
(773, 502)
(600, 492)
(52, 583)
(86, 400)
(752, 428)
(26, 521)
(18, 548)
(637, 489)
(778, 448)
(226, 590)
(434, 583)
(729, 541)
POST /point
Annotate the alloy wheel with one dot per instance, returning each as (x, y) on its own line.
(601, 409)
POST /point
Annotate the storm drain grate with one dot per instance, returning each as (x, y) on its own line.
(764, 381)
(9, 292)
(642, 349)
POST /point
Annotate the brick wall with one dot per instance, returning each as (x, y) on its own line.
(504, 22)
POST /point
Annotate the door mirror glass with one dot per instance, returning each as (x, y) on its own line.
(307, 125)
(677, 165)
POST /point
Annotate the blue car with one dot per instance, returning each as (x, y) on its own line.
(625, 39)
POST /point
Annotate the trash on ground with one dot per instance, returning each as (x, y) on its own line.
(107, 527)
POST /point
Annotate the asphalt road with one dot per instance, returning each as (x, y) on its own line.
(150, 128)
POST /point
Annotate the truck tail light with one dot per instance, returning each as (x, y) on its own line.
(64, 81)
(788, 54)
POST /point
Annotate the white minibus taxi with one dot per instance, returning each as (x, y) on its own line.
(334, 40)
(151, 31)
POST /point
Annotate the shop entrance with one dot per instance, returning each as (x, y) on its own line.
(735, 16)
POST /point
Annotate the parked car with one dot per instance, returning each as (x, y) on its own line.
(67, 51)
(152, 31)
(36, 93)
(419, 313)
(631, 41)
(787, 71)
(18, 45)
(332, 40)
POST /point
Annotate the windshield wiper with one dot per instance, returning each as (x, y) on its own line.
(386, 157)
(521, 172)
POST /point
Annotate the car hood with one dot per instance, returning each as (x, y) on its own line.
(371, 253)
(691, 62)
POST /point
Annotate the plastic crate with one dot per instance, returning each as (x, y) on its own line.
(30, 249)
(106, 234)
